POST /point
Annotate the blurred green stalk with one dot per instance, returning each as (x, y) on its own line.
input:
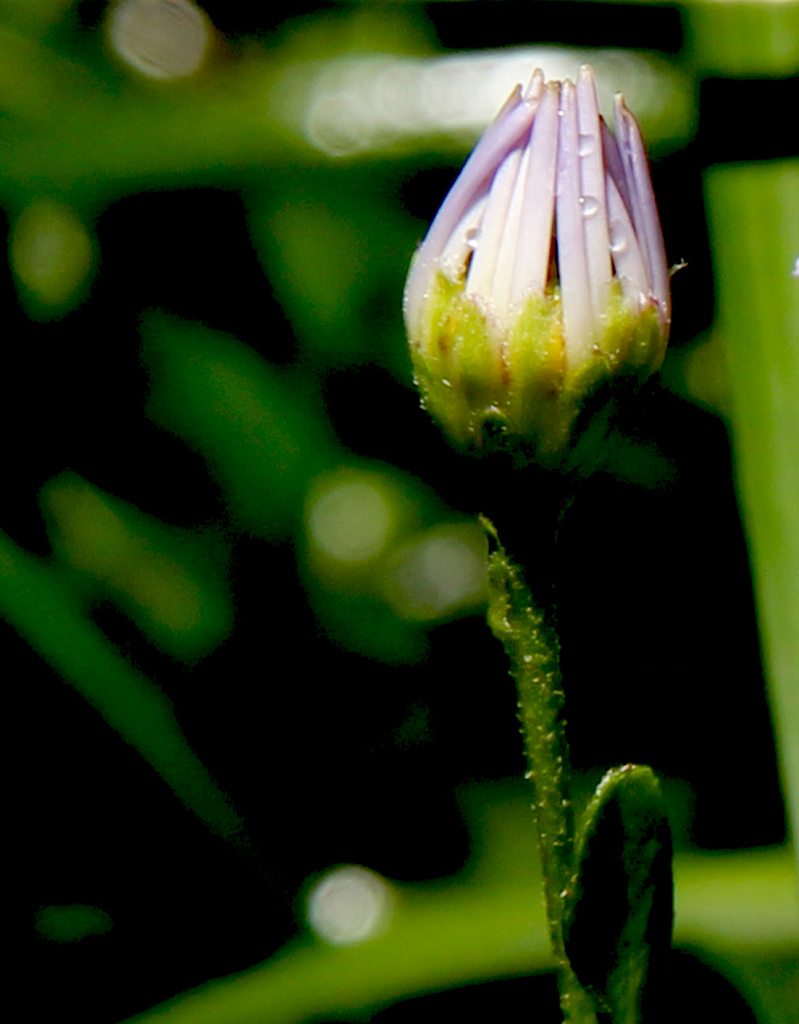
(42, 606)
(466, 930)
(744, 38)
(754, 220)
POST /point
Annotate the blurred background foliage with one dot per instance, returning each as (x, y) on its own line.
(230, 529)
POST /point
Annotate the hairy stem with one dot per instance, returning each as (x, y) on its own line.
(533, 650)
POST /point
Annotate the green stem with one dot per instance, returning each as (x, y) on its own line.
(533, 650)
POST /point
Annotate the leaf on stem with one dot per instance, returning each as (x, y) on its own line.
(619, 908)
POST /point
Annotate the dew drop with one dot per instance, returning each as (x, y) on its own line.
(473, 237)
(590, 205)
(618, 238)
(587, 143)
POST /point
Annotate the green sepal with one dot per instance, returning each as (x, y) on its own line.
(618, 909)
(510, 385)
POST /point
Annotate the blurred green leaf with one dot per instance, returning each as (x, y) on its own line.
(261, 433)
(337, 253)
(49, 615)
(170, 582)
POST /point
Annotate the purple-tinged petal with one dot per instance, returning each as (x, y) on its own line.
(592, 198)
(506, 133)
(534, 240)
(491, 270)
(614, 165)
(628, 259)
(578, 325)
(644, 208)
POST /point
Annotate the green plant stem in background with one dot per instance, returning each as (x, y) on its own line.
(754, 217)
(533, 650)
(469, 928)
(748, 38)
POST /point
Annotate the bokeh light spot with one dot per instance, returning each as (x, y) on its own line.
(349, 905)
(351, 522)
(439, 574)
(162, 39)
(52, 254)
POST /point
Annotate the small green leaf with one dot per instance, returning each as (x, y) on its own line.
(619, 908)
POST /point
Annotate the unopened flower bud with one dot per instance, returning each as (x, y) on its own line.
(544, 272)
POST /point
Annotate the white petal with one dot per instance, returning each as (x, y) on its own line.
(481, 281)
(625, 250)
(454, 260)
(535, 86)
(506, 265)
(535, 236)
(592, 199)
(572, 268)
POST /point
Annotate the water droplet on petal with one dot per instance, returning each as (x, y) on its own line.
(618, 238)
(473, 237)
(587, 143)
(590, 205)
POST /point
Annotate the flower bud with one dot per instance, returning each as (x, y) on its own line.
(543, 274)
